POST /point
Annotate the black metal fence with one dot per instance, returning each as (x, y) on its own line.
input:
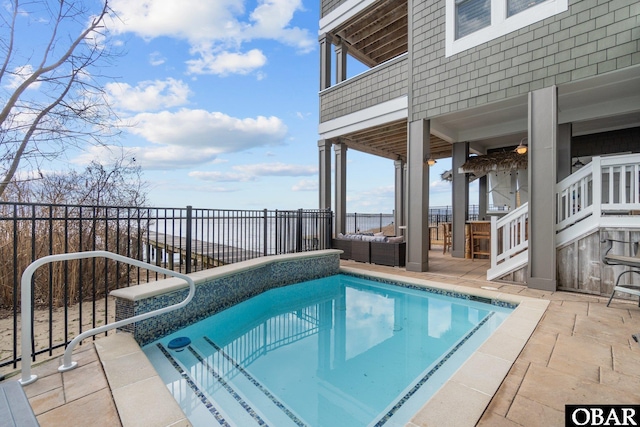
(361, 222)
(75, 293)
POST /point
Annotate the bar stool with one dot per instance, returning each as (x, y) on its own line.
(446, 231)
(480, 239)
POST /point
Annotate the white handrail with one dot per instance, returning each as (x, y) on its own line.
(580, 200)
(27, 377)
(511, 231)
(607, 184)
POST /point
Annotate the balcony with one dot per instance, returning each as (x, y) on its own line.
(386, 82)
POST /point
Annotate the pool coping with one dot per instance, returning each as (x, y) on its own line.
(163, 286)
(461, 401)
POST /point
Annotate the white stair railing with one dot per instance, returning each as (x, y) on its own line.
(27, 377)
(578, 196)
(601, 194)
(607, 185)
(509, 242)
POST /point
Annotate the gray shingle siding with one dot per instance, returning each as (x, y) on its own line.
(384, 83)
(326, 6)
(591, 38)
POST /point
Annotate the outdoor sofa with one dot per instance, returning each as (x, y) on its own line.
(374, 249)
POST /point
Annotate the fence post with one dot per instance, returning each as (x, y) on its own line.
(329, 228)
(189, 236)
(266, 232)
(299, 232)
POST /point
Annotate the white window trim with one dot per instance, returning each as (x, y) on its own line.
(500, 24)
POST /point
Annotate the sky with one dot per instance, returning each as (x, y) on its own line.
(221, 102)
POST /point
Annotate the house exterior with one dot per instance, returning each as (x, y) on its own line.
(455, 78)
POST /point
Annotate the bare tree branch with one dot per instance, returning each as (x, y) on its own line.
(27, 136)
(10, 45)
(77, 111)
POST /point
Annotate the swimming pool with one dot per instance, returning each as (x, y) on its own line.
(337, 351)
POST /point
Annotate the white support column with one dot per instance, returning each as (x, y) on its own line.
(325, 61)
(543, 134)
(513, 194)
(324, 168)
(418, 189)
(341, 61)
(405, 196)
(341, 187)
(398, 219)
(482, 198)
(564, 151)
(460, 195)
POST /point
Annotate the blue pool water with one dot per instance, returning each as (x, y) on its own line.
(338, 351)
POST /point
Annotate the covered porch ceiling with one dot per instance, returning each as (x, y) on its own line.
(390, 141)
(376, 34)
(598, 104)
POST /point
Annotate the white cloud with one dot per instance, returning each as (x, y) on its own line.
(246, 173)
(440, 186)
(156, 58)
(271, 20)
(225, 63)
(305, 185)
(193, 20)
(380, 192)
(214, 28)
(149, 158)
(277, 169)
(190, 138)
(148, 95)
(19, 75)
(31, 175)
(213, 131)
(221, 176)
(375, 200)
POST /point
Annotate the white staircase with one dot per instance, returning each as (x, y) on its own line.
(602, 194)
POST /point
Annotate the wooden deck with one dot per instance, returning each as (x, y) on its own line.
(206, 253)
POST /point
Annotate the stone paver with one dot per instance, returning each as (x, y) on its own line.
(95, 410)
(78, 397)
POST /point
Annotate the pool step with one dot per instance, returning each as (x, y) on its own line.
(219, 387)
(178, 378)
(241, 385)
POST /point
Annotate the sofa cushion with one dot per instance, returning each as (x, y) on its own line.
(398, 239)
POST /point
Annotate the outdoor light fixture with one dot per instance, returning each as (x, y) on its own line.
(430, 161)
(522, 147)
(578, 164)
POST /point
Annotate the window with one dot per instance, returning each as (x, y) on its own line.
(470, 23)
(517, 6)
(471, 16)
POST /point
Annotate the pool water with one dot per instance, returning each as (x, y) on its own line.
(338, 351)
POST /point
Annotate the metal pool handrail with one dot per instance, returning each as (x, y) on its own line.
(27, 377)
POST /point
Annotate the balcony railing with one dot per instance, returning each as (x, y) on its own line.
(386, 82)
(607, 185)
